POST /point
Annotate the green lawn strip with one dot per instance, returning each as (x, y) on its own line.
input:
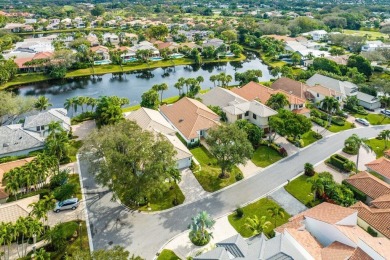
(208, 176)
(300, 189)
(378, 146)
(167, 255)
(104, 69)
(363, 33)
(75, 179)
(308, 138)
(166, 200)
(376, 119)
(264, 156)
(258, 208)
(335, 128)
(74, 147)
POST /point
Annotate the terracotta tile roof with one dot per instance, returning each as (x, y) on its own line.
(381, 166)
(43, 55)
(6, 167)
(381, 245)
(301, 111)
(281, 38)
(354, 233)
(3, 194)
(253, 90)
(189, 116)
(291, 86)
(379, 219)
(329, 213)
(369, 184)
(294, 222)
(359, 254)
(383, 202)
(328, 92)
(21, 61)
(99, 48)
(307, 241)
(336, 250)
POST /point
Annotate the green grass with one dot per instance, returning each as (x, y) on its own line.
(166, 200)
(258, 208)
(167, 255)
(308, 138)
(208, 176)
(378, 146)
(74, 147)
(264, 156)
(376, 119)
(335, 128)
(300, 189)
(21, 79)
(74, 179)
(371, 34)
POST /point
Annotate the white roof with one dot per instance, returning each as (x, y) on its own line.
(221, 97)
(252, 106)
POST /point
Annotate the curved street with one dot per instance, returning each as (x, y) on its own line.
(144, 234)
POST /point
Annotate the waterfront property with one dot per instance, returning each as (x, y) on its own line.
(191, 118)
(152, 120)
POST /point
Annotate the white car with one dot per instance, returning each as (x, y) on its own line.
(362, 121)
(385, 112)
(66, 204)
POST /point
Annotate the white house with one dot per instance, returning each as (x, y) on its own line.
(152, 120)
(317, 35)
(374, 45)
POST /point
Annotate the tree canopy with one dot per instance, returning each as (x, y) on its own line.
(136, 163)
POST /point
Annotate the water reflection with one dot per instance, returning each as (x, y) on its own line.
(133, 83)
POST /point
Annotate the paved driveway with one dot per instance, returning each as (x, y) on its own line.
(288, 202)
(145, 234)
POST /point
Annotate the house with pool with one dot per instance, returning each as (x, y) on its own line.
(190, 118)
(131, 53)
(102, 55)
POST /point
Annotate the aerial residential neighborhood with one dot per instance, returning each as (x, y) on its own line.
(195, 130)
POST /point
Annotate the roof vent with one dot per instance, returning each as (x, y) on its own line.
(181, 120)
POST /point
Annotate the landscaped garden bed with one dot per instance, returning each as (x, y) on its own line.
(340, 163)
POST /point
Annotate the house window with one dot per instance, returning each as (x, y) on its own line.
(192, 140)
(318, 95)
(254, 116)
(239, 117)
(247, 113)
(40, 128)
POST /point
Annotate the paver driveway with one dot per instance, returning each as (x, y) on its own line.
(144, 234)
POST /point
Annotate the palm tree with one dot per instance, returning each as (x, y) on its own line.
(199, 225)
(256, 225)
(82, 101)
(276, 212)
(160, 88)
(41, 254)
(42, 103)
(354, 142)
(385, 135)
(317, 187)
(275, 72)
(277, 101)
(330, 105)
(69, 104)
(213, 78)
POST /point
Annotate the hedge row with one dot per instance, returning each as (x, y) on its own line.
(338, 161)
(359, 195)
(318, 121)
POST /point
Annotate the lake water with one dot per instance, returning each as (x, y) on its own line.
(133, 84)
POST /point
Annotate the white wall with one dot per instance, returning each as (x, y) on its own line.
(183, 163)
(350, 220)
(290, 246)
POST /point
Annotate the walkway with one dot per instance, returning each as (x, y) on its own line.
(190, 187)
(290, 204)
(145, 234)
(290, 148)
(249, 169)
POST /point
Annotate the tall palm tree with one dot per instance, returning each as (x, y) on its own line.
(199, 225)
(385, 135)
(354, 142)
(82, 101)
(69, 104)
(213, 78)
(256, 225)
(42, 103)
(277, 101)
(160, 88)
(21, 230)
(276, 212)
(330, 105)
(317, 187)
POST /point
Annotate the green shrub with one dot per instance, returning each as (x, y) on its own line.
(317, 136)
(239, 212)
(58, 179)
(89, 115)
(349, 151)
(239, 176)
(338, 161)
(338, 121)
(372, 232)
(359, 195)
(318, 121)
(65, 191)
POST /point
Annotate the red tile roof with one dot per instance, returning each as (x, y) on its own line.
(336, 250)
(359, 254)
(291, 86)
(383, 202)
(369, 184)
(381, 166)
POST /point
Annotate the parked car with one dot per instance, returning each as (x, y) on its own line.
(385, 112)
(72, 203)
(362, 121)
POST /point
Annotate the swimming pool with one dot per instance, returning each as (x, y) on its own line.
(130, 59)
(155, 58)
(176, 56)
(102, 62)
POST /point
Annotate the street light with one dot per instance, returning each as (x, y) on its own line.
(80, 227)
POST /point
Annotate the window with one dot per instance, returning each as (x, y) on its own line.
(318, 95)
(247, 113)
(254, 116)
(239, 117)
(192, 140)
(40, 128)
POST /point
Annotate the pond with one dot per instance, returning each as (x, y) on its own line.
(133, 84)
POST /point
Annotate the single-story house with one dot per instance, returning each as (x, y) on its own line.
(152, 120)
(346, 88)
(103, 54)
(215, 42)
(368, 101)
(317, 35)
(256, 91)
(10, 212)
(254, 111)
(380, 166)
(190, 118)
(326, 231)
(373, 187)
(172, 46)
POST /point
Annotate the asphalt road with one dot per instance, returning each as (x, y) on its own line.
(144, 234)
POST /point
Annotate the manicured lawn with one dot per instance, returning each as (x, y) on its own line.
(378, 146)
(376, 119)
(335, 128)
(25, 78)
(167, 255)
(300, 189)
(74, 179)
(370, 34)
(264, 156)
(258, 208)
(166, 200)
(208, 176)
(75, 145)
(308, 138)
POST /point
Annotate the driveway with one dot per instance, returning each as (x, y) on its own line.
(145, 234)
(290, 204)
(190, 186)
(83, 129)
